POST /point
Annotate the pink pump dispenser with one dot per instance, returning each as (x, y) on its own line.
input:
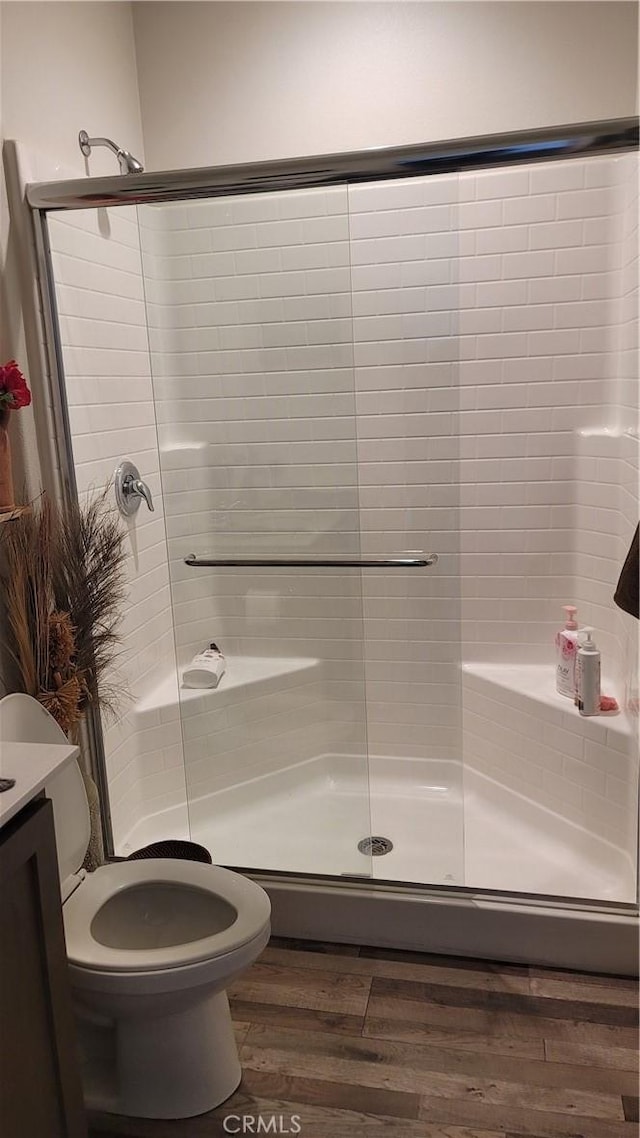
(570, 620)
(566, 648)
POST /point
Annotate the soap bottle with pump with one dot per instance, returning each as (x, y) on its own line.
(566, 647)
(205, 670)
(588, 675)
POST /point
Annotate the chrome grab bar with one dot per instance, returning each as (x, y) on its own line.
(306, 563)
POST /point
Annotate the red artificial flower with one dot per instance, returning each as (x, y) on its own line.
(14, 392)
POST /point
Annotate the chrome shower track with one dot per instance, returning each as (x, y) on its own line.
(571, 141)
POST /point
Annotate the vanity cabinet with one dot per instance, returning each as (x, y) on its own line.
(40, 1090)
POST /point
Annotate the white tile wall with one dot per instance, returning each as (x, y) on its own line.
(405, 248)
(522, 735)
(251, 335)
(607, 455)
(265, 714)
(484, 327)
(520, 285)
(627, 403)
(294, 440)
(550, 484)
(530, 391)
(100, 299)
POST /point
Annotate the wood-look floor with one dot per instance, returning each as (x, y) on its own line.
(362, 1042)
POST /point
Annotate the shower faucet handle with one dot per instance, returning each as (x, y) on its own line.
(130, 489)
(137, 486)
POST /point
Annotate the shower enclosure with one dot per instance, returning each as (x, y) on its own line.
(386, 405)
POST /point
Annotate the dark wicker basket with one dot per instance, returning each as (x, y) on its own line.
(173, 847)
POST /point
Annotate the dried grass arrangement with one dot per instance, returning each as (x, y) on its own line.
(63, 591)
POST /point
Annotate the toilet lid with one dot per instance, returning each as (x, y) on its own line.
(24, 719)
(140, 916)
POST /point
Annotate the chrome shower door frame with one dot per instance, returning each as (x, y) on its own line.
(295, 910)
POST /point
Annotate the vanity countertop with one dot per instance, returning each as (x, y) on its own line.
(32, 765)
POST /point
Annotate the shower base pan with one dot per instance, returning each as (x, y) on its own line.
(310, 818)
(538, 931)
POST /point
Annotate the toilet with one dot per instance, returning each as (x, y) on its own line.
(152, 945)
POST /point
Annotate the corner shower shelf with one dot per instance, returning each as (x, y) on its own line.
(168, 698)
(525, 684)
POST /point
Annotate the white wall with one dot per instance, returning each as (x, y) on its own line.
(229, 82)
(68, 67)
(59, 62)
(63, 67)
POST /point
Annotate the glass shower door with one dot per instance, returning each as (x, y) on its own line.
(405, 251)
(250, 324)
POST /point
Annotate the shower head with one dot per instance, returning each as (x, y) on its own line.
(128, 164)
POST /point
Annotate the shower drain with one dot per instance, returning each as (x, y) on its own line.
(375, 846)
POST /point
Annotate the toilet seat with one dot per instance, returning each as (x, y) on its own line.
(251, 905)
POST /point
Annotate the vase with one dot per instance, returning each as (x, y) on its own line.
(6, 478)
(94, 856)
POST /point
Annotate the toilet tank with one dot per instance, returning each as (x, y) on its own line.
(24, 720)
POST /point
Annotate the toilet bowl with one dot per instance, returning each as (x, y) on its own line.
(152, 946)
